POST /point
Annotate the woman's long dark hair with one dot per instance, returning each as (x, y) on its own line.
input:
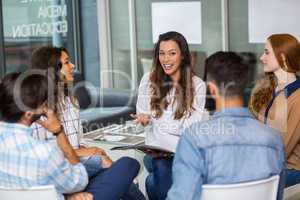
(48, 58)
(161, 83)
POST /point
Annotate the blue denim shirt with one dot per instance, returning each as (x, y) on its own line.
(232, 147)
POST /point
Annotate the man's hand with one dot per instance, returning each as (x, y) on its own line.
(80, 196)
(141, 118)
(52, 123)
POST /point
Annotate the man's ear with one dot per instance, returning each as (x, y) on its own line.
(28, 115)
(213, 89)
(27, 118)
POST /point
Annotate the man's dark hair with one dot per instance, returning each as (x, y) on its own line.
(20, 93)
(228, 71)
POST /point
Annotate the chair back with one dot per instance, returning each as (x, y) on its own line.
(47, 192)
(292, 192)
(265, 189)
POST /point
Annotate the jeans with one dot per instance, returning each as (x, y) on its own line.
(92, 165)
(159, 180)
(292, 177)
(134, 193)
(116, 178)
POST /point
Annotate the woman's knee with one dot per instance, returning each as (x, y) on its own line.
(129, 163)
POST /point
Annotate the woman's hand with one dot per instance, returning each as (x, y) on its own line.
(141, 118)
(80, 196)
(95, 151)
(90, 151)
(106, 161)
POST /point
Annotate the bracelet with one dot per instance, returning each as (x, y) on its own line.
(59, 131)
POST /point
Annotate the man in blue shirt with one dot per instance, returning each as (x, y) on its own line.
(27, 162)
(24, 161)
(232, 146)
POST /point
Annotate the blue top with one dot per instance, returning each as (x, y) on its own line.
(232, 147)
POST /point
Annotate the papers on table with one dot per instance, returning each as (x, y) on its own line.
(129, 134)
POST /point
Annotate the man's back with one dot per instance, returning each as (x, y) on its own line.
(26, 162)
(232, 147)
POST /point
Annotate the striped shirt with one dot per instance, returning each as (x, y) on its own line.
(70, 119)
(27, 162)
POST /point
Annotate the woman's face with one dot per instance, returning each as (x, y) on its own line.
(170, 58)
(67, 69)
(268, 59)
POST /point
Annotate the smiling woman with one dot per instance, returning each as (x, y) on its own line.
(170, 59)
(67, 69)
(170, 98)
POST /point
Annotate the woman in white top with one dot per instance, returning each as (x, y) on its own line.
(170, 98)
(114, 180)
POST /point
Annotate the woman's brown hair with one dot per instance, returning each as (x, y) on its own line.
(48, 58)
(161, 84)
(287, 52)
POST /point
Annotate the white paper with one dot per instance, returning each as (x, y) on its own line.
(183, 17)
(267, 17)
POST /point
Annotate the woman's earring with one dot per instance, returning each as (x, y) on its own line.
(285, 66)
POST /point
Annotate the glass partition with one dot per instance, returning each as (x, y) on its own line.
(239, 37)
(120, 44)
(28, 24)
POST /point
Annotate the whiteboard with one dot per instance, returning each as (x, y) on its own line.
(183, 17)
(268, 17)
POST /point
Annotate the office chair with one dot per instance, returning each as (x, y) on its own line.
(292, 192)
(265, 189)
(47, 192)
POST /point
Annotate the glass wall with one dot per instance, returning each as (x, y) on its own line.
(239, 37)
(89, 41)
(215, 36)
(120, 43)
(28, 24)
(120, 37)
(211, 33)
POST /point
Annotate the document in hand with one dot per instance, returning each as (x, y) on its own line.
(144, 148)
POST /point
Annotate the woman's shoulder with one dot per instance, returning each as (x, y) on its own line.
(197, 80)
(294, 98)
(145, 79)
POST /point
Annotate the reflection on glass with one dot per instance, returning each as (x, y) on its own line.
(28, 24)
